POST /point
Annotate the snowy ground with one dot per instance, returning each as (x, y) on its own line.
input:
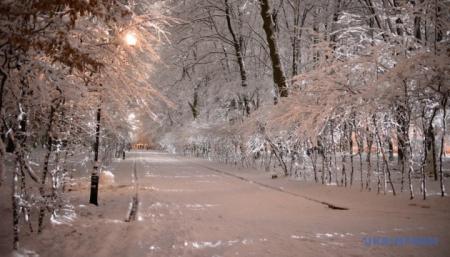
(190, 207)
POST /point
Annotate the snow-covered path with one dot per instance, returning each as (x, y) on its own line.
(191, 207)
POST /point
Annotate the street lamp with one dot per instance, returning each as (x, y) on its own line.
(130, 39)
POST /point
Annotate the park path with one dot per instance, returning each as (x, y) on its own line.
(191, 207)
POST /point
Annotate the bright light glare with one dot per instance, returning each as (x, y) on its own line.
(131, 39)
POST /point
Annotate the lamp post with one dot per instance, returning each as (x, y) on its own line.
(131, 40)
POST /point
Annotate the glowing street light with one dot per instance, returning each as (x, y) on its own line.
(130, 39)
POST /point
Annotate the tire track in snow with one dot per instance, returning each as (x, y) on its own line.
(132, 212)
(226, 173)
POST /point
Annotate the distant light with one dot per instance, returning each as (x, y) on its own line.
(130, 39)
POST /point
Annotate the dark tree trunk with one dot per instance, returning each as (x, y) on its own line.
(95, 176)
(378, 168)
(390, 148)
(441, 172)
(371, 8)
(298, 23)
(438, 26)
(2, 139)
(236, 44)
(279, 77)
(417, 26)
(2, 161)
(369, 141)
(343, 147)
(360, 142)
(430, 162)
(427, 128)
(194, 105)
(350, 151)
(238, 49)
(2, 88)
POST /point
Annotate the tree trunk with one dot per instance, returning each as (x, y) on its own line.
(2, 162)
(15, 205)
(49, 135)
(337, 10)
(417, 26)
(237, 44)
(423, 185)
(279, 77)
(378, 169)
(410, 170)
(194, 105)
(334, 155)
(383, 155)
(279, 155)
(2, 88)
(441, 172)
(2, 144)
(95, 175)
(371, 8)
(430, 162)
(350, 141)
(298, 23)
(315, 39)
(404, 119)
(438, 26)
(343, 156)
(360, 143)
(369, 141)
(390, 148)
(401, 118)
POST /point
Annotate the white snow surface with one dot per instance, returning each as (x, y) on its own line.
(66, 215)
